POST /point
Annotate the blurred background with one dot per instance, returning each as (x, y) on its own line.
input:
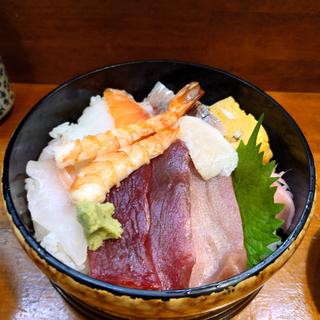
(274, 44)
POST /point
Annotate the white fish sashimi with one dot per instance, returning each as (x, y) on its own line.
(53, 213)
(95, 119)
(52, 209)
(53, 246)
(211, 153)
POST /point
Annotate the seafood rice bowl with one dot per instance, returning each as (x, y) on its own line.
(167, 188)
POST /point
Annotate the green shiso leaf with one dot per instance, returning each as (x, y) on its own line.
(252, 185)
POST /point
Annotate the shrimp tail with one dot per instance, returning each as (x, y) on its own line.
(186, 98)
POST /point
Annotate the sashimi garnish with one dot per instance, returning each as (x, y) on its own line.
(252, 182)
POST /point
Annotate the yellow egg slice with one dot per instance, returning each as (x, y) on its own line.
(238, 125)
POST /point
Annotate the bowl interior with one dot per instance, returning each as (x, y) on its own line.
(67, 102)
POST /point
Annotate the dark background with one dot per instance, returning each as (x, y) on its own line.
(274, 44)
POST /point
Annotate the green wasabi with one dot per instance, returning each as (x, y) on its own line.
(98, 223)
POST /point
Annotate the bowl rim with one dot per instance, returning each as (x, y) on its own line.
(152, 294)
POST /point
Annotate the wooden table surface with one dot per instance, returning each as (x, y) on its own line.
(293, 293)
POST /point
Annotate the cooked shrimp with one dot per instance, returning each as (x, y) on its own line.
(95, 180)
(91, 146)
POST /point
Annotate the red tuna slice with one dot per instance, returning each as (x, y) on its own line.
(127, 261)
(170, 232)
(216, 229)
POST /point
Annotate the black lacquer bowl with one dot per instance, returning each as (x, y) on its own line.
(99, 299)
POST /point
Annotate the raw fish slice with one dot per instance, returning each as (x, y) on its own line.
(211, 153)
(53, 245)
(51, 208)
(202, 111)
(170, 232)
(123, 108)
(284, 196)
(158, 99)
(217, 233)
(127, 261)
(50, 201)
(287, 213)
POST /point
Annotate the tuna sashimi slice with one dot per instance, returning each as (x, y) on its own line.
(127, 261)
(217, 233)
(170, 232)
(180, 231)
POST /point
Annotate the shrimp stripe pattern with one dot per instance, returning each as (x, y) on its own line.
(91, 147)
(96, 179)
